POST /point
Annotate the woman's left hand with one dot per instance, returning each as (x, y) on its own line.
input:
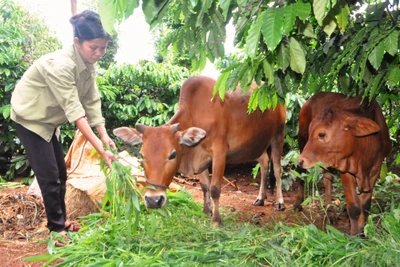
(107, 141)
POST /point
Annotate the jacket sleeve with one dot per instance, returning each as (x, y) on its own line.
(60, 77)
(92, 104)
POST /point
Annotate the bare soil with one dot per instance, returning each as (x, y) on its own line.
(23, 221)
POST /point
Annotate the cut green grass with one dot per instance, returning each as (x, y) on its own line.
(181, 235)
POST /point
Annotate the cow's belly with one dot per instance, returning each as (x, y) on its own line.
(245, 154)
(249, 148)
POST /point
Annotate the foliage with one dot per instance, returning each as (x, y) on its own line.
(143, 93)
(181, 235)
(23, 38)
(286, 46)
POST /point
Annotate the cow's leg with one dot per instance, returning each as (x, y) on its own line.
(305, 120)
(218, 169)
(264, 163)
(204, 178)
(328, 181)
(299, 198)
(365, 199)
(276, 155)
(352, 205)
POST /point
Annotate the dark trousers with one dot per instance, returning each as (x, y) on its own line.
(48, 164)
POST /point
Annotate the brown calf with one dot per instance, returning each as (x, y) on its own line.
(351, 136)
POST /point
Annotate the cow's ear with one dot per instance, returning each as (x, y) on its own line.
(192, 136)
(359, 126)
(140, 127)
(129, 135)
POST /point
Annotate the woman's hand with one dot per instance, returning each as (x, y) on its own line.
(98, 143)
(108, 157)
(107, 141)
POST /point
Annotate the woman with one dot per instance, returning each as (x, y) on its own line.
(60, 87)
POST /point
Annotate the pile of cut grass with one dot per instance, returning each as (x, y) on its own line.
(180, 235)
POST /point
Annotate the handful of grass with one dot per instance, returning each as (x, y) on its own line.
(122, 198)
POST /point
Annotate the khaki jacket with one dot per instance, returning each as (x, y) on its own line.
(58, 88)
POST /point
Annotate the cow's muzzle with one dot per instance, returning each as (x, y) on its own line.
(155, 202)
(300, 163)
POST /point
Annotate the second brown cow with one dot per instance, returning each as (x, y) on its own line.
(350, 135)
(208, 131)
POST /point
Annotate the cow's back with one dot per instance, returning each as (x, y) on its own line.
(247, 135)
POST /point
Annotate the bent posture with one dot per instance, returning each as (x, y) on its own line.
(61, 87)
(208, 131)
(351, 136)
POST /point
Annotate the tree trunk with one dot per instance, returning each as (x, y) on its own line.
(74, 10)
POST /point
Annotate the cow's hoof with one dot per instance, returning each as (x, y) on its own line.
(280, 207)
(207, 212)
(332, 217)
(297, 208)
(258, 202)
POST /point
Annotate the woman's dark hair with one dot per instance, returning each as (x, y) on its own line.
(87, 26)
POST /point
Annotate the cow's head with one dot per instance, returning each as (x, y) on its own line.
(333, 136)
(162, 153)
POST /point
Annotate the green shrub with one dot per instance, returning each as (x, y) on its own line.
(23, 39)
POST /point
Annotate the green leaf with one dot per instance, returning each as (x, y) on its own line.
(274, 101)
(397, 159)
(112, 12)
(377, 83)
(217, 35)
(391, 43)
(297, 56)
(309, 31)
(205, 6)
(108, 14)
(129, 7)
(224, 5)
(253, 101)
(6, 110)
(289, 17)
(376, 55)
(283, 56)
(394, 77)
(330, 26)
(193, 3)
(343, 18)
(246, 76)
(303, 10)
(154, 10)
(272, 27)
(199, 63)
(321, 9)
(263, 102)
(220, 86)
(253, 37)
(268, 71)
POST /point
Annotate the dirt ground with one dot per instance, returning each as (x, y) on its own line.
(22, 218)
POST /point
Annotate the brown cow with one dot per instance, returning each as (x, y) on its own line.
(205, 132)
(351, 136)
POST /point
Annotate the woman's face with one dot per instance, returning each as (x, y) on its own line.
(91, 50)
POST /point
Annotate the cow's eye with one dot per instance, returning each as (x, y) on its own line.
(321, 135)
(172, 155)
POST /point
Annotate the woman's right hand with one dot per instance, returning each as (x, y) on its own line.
(108, 157)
